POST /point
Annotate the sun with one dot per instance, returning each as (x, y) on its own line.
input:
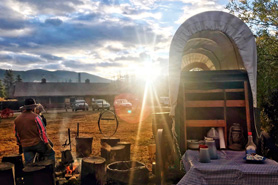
(149, 72)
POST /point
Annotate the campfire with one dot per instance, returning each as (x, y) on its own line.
(69, 172)
(70, 169)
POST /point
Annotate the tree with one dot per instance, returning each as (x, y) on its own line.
(259, 14)
(267, 48)
(271, 112)
(262, 17)
(2, 90)
(18, 78)
(8, 81)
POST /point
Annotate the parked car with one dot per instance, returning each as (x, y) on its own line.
(79, 105)
(100, 104)
(122, 103)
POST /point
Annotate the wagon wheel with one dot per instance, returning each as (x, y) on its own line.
(113, 119)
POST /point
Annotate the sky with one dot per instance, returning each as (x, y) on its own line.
(107, 38)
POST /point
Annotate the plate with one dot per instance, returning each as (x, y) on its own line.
(255, 161)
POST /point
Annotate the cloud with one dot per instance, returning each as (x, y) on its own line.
(100, 36)
(51, 57)
(85, 35)
(79, 65)
(86, 16)
(51, 6)
(195, 7)
(110, 2)
(10, 19)
(54, 22)
(20, 59)
(51, 66)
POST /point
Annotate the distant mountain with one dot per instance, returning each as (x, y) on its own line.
(54, 76)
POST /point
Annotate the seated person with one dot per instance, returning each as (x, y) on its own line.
(31, 134)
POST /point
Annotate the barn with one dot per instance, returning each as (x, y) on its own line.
(57, 94)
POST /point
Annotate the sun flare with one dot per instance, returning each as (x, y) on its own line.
(148, 72)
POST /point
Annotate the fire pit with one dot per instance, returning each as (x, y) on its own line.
(68, 173)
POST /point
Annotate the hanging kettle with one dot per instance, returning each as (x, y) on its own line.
(66, 157)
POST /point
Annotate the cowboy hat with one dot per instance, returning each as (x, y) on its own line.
(29, 103)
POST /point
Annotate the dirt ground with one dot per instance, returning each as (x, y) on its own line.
(130, 129)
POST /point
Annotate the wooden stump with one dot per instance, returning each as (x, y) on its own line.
(40, 173)
(83, 146)
(117, 153)
(106, 145)
(127, 150)
(7, 176)
(93, 171)
(112, 141)
(15, 159)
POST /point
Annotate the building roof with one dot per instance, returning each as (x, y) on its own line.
(32, 89)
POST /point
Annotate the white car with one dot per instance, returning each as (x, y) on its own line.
(122, 103)
(100, 104)
(80, 105)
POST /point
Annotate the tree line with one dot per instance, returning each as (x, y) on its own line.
(262, 17)
(7, 83)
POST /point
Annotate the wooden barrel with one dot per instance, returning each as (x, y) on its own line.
(83, 146)
(127, 150)
(93, 171)
(7, 174)
(127, 172)
(40, 173)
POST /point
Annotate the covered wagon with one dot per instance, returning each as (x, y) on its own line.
(212, 76)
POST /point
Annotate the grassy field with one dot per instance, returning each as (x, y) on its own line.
(58, 122)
